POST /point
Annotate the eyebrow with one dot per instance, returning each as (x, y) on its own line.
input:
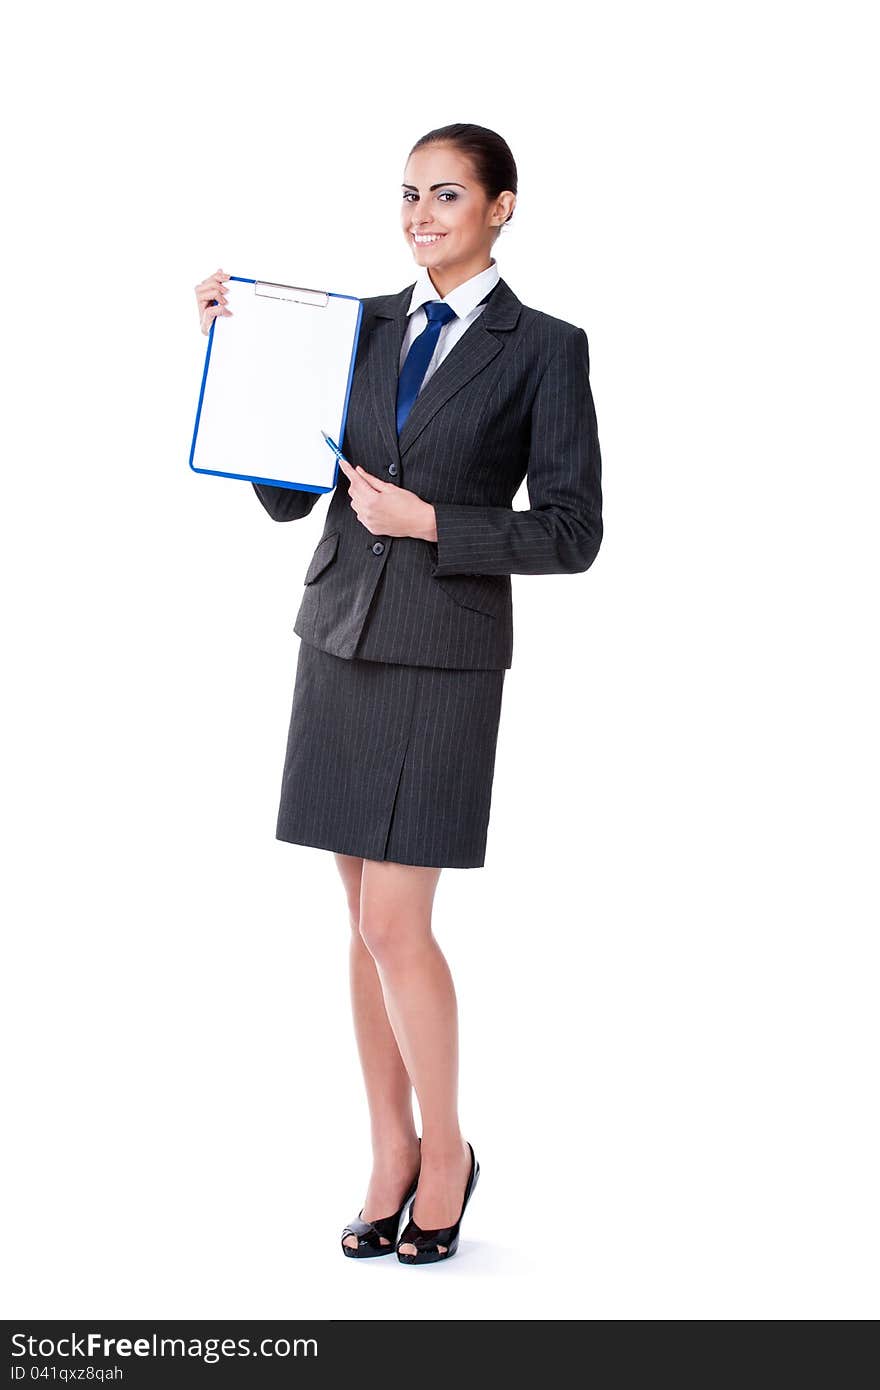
(449, 184)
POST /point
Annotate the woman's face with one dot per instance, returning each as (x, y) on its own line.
(442, 202)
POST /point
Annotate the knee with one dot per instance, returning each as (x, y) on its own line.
(389, 939)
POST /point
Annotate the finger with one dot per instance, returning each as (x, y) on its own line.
(371, 480)
(211, 287)
(211, 296)
(209, 280)
(212, 312)
(214, 285)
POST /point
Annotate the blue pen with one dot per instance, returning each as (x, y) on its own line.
(335, 447)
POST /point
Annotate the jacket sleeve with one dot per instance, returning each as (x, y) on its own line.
(286, 503)
(562, 531)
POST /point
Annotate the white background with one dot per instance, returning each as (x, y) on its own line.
(667, 969)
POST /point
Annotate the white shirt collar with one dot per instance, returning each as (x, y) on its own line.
(464, 298)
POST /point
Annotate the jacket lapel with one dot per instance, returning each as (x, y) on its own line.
(474, 350)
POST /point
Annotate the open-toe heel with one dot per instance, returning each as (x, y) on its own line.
(376, 1237)
(428, 1243)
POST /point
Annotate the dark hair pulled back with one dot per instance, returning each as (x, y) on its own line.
(489, 154)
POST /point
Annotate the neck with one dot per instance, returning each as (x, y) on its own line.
(445, 280)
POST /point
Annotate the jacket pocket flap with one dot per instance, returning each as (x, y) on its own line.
(481, 593)
(324, 553)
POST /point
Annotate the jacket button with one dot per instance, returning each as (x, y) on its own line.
(378, 547)
(392, 469)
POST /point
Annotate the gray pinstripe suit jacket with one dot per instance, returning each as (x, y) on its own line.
(511, 400)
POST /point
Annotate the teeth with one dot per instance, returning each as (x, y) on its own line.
(426, 240)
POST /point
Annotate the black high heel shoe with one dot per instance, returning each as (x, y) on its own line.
(427, 1243)
(369, 1233)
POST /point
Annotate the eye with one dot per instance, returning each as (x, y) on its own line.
(447, 193)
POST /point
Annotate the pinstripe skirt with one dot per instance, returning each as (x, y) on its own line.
(389, 761)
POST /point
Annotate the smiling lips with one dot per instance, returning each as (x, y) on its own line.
(427, 240)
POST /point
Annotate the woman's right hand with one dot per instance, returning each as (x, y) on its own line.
(211, 289)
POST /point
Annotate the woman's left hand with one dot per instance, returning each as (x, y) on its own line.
(386, 509)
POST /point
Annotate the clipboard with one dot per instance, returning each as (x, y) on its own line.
(276, 374)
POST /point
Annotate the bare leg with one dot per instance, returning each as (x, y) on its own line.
(395, 922)
(388, 1087)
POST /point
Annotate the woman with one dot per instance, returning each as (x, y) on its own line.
(406, 633)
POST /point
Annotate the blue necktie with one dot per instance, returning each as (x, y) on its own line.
(419, 356)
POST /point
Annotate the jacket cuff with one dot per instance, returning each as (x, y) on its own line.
(458, 548)
(285, 503)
